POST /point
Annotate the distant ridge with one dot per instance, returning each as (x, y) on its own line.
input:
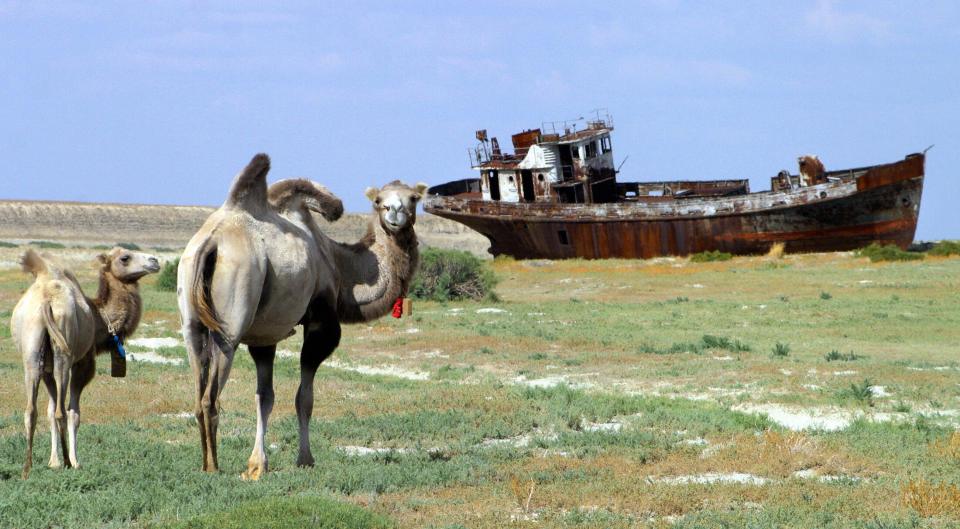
(87, 223)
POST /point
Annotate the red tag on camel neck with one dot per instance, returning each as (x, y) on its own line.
(398, 308)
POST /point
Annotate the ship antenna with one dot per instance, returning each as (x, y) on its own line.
(625, 158)
(927, 149)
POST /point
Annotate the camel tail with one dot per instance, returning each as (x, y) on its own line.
(32, 263)
(249, 189)
(204, 264)
(56, 337)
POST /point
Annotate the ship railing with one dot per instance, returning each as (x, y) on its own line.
(600, 119)
(478, 155)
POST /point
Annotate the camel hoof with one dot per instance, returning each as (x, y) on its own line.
(56, 465)
(305, 461)
(253, 472)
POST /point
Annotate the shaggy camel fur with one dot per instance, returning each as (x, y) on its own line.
(260, 265)
(58, 331)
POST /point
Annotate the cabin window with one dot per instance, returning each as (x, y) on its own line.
(605, 144)
(575, 150)
(564, 239)
(540, 177)
(591, 150)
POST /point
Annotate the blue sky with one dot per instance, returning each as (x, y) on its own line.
(162, 102)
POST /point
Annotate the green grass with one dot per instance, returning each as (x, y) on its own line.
(642, 378)
(5, 244)
(290, 512)
(129, 246)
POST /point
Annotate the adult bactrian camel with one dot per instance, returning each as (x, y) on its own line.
(58, 332)
(260, 265)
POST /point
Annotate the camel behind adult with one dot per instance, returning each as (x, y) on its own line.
(260, 265)
(58, 332)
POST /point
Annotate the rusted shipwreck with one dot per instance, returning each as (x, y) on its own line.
(557, 196)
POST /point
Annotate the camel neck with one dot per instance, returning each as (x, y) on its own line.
(378, 271)
(118, 303)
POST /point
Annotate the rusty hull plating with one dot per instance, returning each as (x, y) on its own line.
(533, 205)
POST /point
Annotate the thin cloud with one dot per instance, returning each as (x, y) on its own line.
(828, 19)
(688, 72)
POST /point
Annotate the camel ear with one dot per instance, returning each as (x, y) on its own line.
(371, 193)
(103, 258)
(420, 188)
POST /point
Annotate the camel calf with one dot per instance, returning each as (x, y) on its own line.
(58, 331)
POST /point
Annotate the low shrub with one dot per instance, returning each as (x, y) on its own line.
(945, 248)
(706, 342)
(876, 252)
(722, 342)
(446, 275)
(776, 250)
(5, 244)
(167, 278)
(709, 256)
(129, 246)
(835, 355)
(47, 245)
(780, 350)
(862, 392)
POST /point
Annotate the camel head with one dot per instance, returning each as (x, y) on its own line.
(128, 266)
(396, 204)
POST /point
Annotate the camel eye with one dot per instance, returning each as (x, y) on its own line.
(125, 259)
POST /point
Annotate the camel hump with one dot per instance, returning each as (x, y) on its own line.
(300, 192)
(249, 188)
(32, 263)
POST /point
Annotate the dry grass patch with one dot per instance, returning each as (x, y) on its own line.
(929, 499)
(948, 448)
(772, 454)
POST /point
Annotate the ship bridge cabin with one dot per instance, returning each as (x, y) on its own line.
(575, 166)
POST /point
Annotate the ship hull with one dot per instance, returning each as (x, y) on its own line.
(880, 206)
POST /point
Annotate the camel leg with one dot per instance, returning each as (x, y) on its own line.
(51, 386)
(198, 352)
(31, 384)
(221, 359)
(263, 357)
(61, 376)
(81, 374)
(319, 342)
